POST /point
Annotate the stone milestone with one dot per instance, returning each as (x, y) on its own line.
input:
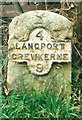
(40, 52)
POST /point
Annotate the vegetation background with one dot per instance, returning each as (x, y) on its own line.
(43, 105)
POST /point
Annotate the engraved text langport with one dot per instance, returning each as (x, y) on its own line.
(40, 51)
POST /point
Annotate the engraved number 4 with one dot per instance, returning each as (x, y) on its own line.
(39, 34)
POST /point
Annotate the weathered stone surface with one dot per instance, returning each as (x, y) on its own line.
(59, 76)
(59, 26)
(57, 79)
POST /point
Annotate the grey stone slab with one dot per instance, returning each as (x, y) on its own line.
(19, 76)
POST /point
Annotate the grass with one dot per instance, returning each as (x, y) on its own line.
(41, 105)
